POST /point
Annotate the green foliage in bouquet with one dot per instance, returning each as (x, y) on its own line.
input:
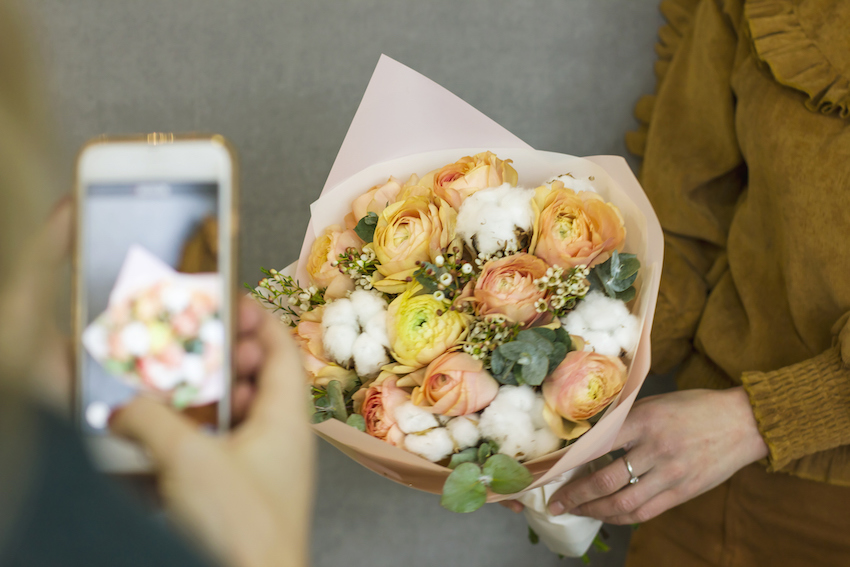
(445, 277)
(366, 226)
(332, 402)
(477, 468)
(283, 294)
(616, 276)
(530, 357)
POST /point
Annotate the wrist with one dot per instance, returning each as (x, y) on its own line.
(752, 443)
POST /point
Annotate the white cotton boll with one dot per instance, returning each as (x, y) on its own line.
(602, 312)
(367, 304)
(136, 339)
(519, 397)
(339, 342)
(443, 419)
(192, 369)
(627, 334)
(545, 442)
(163, 377)
(574, 323)
(339, 312)
(175, 298)
(509, 427)
(536, 412)
(369, 355)
(212, 332)
(413, 419)
(434, 445)
(376, 327)
(493, 215)
(603, 342)
(464, 431)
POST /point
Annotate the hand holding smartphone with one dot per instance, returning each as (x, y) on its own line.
(154, 263)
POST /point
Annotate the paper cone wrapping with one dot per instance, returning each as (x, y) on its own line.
(407, 124)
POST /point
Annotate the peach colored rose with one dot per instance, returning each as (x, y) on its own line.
(455, 384)
(320, 370)
(457, 181)
(583, 384)
(326, 250)
(414, 230)
(572, 229)
(377, 404)
(506, 287)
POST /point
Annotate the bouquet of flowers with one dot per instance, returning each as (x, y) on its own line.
(161, 332)
(467, 315)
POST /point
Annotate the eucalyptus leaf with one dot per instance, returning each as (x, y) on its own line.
(563, 337)
(548, 334)
(537, 340)
(517, 350)
(559, 353)
(365, 228)
(463, 491)
(535, 372)
(508, 475)
(484, 451)
(356, 421)
(466, 456)
(429, 285)
(337, 400)
(497, 362)
(320, 416)
(507, 377)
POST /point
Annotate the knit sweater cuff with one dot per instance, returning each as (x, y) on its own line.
(803, 408)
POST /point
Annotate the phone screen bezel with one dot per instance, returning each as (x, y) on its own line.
(154, 157)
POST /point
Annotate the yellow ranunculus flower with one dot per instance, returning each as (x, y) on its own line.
(421, 328)
(416, 229)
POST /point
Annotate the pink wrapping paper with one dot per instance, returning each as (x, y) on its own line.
(408, 124)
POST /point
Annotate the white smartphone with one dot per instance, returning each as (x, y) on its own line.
(154, 263)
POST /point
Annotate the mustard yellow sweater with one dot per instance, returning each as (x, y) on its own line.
(746, 148)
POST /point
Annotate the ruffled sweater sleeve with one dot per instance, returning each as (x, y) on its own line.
(692, 169)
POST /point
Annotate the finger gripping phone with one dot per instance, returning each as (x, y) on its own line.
(154, 263)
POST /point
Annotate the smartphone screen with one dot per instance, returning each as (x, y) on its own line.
(151, 300)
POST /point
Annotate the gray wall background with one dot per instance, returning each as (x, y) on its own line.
(282, 80)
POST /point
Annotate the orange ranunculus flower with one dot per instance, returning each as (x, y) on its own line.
(376, 199)
(416, 229)
(506, 287)
(582, 386)
(326, 250)
(320, 370)
(377, 404)
(457, 181)
(455, 384)
(572, 229)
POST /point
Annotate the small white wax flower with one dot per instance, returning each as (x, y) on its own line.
(376, 327)
(175, 298)
(575, 184)
(464, 431)
(136, 338)
(369, 355)
(339, 342)
(192, 369)
(366, 304)
(339, 312)
(435, 444)
(212, 332)
(491, 217)
(413, 419)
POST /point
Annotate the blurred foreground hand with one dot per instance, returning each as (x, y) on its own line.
(245, 496)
